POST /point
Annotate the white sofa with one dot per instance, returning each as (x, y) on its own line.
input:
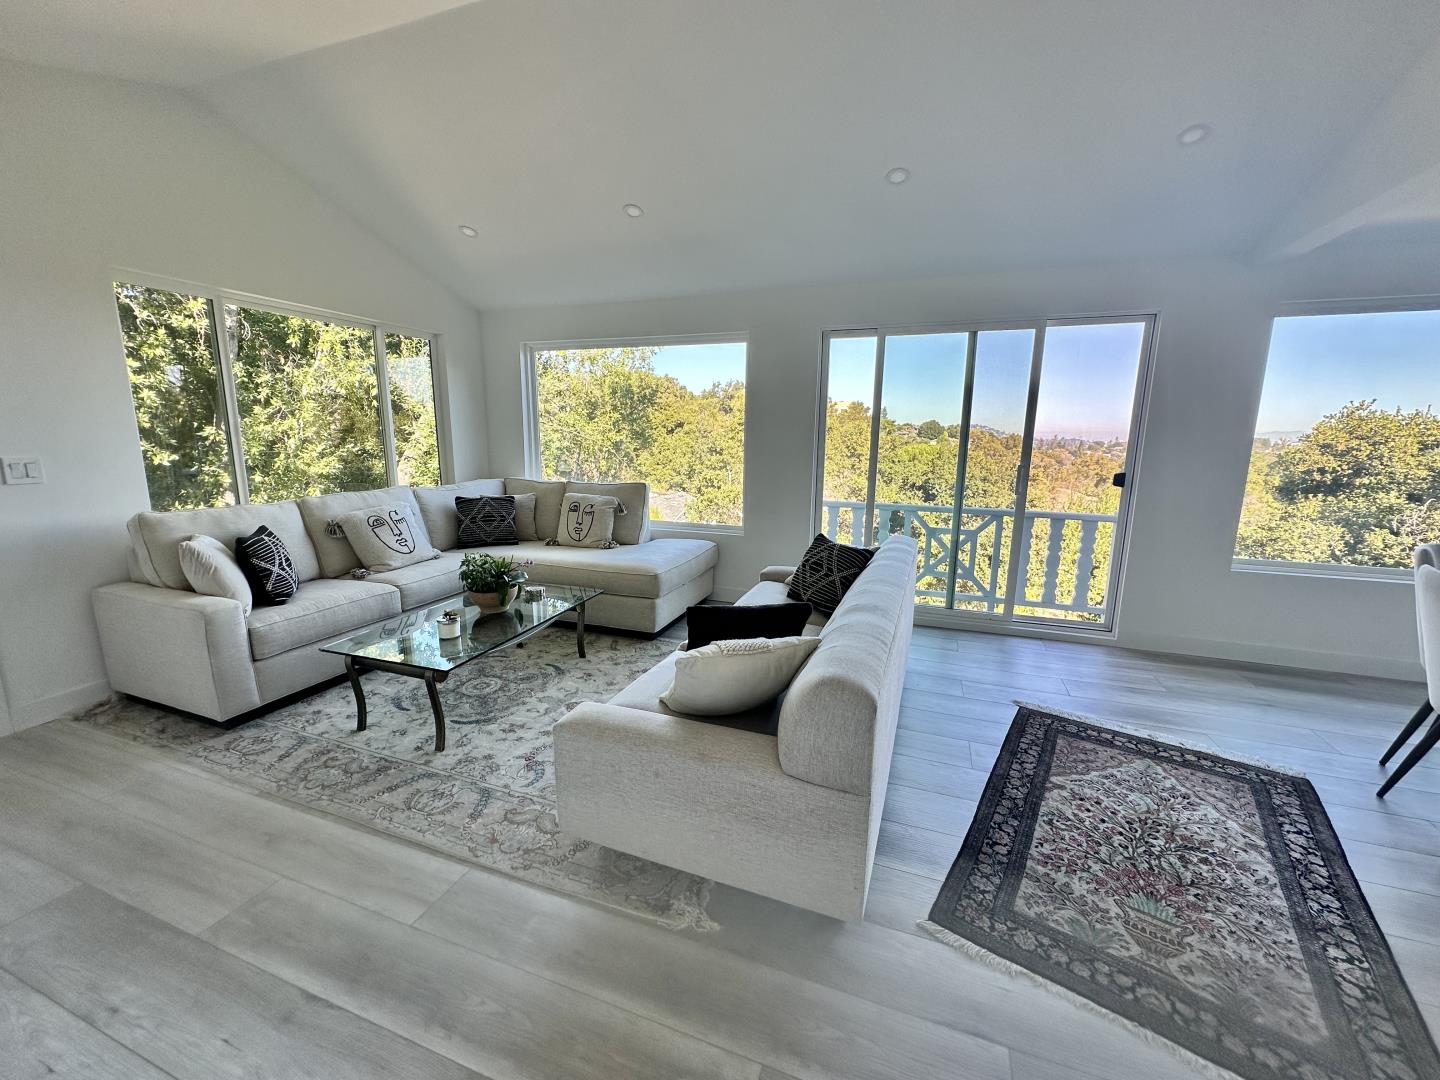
(793, 815)
(202, 655)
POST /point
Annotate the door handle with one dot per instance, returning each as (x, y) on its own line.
(1118, 480)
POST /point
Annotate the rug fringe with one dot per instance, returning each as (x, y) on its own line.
(1160, 737)
(1201, 1066)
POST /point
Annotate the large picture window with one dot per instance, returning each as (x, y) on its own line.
(281, 405)
(671, 414)
(1345, 466)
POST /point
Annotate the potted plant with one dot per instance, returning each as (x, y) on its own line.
(491, 583)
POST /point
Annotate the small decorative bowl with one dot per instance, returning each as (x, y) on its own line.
(534, 593)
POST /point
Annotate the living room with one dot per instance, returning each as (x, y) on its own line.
(1124, 319)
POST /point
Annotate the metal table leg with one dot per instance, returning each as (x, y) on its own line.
(580, 630)
(438, 710)
(354, 673)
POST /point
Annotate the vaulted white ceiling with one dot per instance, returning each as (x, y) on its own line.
(756, 133)
(182, 42)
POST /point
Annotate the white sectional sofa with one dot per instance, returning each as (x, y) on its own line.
(793, 815)
(202, 655)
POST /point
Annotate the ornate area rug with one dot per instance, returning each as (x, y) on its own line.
(1197, 898)
(489, 798)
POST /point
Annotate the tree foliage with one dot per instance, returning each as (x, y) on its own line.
(1360, 488)
(607, 416)
(306, 392)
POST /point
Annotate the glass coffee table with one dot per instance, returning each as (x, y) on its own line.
(411, 644)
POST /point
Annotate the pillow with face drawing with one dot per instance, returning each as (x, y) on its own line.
(386, 537)
(586, 521)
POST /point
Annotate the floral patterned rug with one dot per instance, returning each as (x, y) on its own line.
(489, 798)
(1198, 898)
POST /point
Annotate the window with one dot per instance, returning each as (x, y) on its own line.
(281, 405)
(671, 414)
(1345, 466)
(175, 382)
(412, 405)
(1003, 450)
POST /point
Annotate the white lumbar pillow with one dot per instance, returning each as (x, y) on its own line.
(210, 568)
(732, 676)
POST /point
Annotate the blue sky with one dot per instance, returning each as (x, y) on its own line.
(1319, 362)
(1086, 388)
(700, 367)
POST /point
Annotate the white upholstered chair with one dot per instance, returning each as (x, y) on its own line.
(1427, 618)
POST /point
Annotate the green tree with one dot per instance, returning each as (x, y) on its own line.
(1361, 487)
(179, 407)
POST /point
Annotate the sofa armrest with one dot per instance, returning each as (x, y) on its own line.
(179, 648)
(713, 801)
(776, 573)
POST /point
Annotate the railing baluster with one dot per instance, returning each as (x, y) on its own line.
(1052, 560)
(1085, 564)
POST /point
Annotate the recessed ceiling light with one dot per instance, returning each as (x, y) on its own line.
(898, 176)
(466, 230)
(631, 210)
(1193, 134)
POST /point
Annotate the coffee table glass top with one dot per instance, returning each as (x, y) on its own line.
(413, 639)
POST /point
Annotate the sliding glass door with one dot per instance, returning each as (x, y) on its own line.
(1004, 451)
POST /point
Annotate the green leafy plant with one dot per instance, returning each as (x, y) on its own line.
(484, 573)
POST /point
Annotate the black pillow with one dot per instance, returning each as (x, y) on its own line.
(266, 563)
(826, 572)
(486, 520)
(714, 623)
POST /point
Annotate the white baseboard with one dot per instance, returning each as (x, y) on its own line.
(39, 712)
(1249, 652)
(727, 595)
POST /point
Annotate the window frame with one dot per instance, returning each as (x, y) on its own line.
(1381, 305)
(220, 298)
(530, 410)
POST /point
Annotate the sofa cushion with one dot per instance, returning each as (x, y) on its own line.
(649, 570)
(632, 525)
(548, 496)
(426, 582)
(211, 570)
(267, 566)
(155, 537)
(728, 677)
(320, 610)
(826, 572)
(335, 555)
(773, 592)
(705, 623)
(587, 521)
(437, 507)
(644, 694)
(386, 537)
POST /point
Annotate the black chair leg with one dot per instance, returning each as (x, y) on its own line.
(1419, 718)
(1423, 747)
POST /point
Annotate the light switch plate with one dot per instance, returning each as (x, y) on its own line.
(22, 470)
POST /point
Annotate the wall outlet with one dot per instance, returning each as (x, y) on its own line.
(22, 470)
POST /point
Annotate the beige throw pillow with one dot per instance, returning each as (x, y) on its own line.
(587, 521)
(386, 537)
(210, 568)
(525, 517)
(727, 677)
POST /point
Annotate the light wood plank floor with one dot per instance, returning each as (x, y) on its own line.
(157, 921)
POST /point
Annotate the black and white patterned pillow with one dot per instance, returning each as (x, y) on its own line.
(486, 520)
(267, 566)
(826, 572)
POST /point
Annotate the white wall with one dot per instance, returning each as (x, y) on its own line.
(97, 175)
(1180, 593)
